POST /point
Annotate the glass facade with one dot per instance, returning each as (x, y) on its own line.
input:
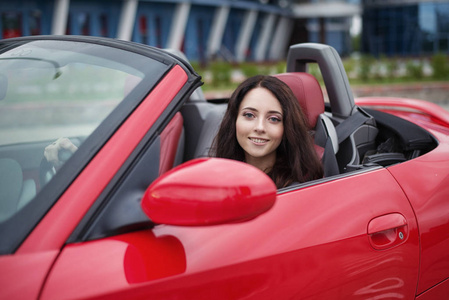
(389, 27)
(93, 18)
(152, 24)
(11, 24)
(434, 25)
(406, 30)
(197, 32)
(231, 33)
(336, 33)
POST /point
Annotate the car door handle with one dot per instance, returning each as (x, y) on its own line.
(387, 231)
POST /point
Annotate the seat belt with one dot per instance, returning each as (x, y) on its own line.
(344, 130)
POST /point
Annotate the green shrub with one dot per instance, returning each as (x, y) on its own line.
(196, 66)
(265, 69)
(376, 69)
(314, 70)
(414, 69)
(355, 42)
(349, 65)
(281, 67)
(392, 66)
(440, 66)
(221, 73)
(366, 63)
(249, 69)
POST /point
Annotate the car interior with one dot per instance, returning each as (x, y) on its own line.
(381, 141)
(347, 137)
(377, 139)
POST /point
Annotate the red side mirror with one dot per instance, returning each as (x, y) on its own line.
(209, 191)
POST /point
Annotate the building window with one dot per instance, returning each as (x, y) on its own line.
(417, 29)
(12, 24)
(104, 25)
(158, 31)
(143, 29)
(35, 22)
(83, 22)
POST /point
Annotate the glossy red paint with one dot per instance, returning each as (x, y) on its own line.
(436, 113)
(386, 223)
(312, 243)
(23, 275)
(387, 231)
(424, 181)
(55, 228)
(125, 260)
(372, 234)
(209, 191)
(440, 291)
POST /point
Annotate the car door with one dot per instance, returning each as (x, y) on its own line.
(350, 237)
(77, 84)
(428, 191)
(423, 127)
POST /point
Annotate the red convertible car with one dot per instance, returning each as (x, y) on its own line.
(140, 212)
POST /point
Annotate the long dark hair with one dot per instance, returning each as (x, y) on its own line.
(296, 159)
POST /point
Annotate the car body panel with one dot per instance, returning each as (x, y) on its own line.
(84, 191)
(440, 291)
(422, 109)
(42, 246)
(431, 207)
(308, 234)
(430, 201)
(22, 276)
(39, 120)
(371, 233)
(209, 192)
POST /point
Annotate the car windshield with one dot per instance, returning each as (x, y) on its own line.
(46, 95)
(59, 89)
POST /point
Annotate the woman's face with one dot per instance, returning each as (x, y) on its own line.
(260, 127)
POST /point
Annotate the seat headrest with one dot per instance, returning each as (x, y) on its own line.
(308, 92)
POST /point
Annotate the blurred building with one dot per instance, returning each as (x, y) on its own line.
(239, 30)
(405, 27)
(235, 30)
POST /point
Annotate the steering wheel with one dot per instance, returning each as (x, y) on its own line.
(47, 170)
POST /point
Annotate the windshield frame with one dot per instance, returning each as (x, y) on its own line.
(14, 230)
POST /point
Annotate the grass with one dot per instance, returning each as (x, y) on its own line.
(362, 71)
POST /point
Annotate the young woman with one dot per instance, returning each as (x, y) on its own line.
(265, 127)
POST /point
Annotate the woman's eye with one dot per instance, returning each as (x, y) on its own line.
(248, 115)
(274, 119)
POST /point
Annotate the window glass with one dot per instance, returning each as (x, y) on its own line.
(45, 99)
(51, 90)
(442, 16)
(11, 24)
(143, 29)
(83, 20)
(34, 19)
(427, 20)
(104, 25)
(59, 89)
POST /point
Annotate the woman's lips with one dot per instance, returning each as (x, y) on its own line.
(258, 141)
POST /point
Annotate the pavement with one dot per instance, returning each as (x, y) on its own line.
(436, 92)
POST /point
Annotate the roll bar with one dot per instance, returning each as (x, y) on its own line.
(331, 67)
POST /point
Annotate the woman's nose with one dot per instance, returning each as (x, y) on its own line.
(260, 126)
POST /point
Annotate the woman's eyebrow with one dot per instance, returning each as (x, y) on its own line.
(275, 112)
(250, 108)
(270, 111)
